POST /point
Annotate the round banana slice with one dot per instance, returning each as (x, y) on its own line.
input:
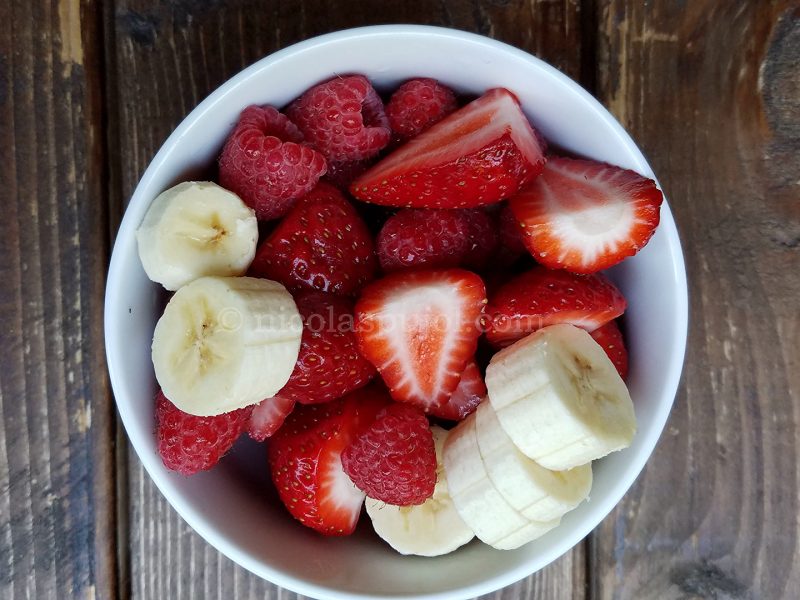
(432, 528)
(194, 229)
(480, 504)
(538, 493)
(560, 399)
(226, 342)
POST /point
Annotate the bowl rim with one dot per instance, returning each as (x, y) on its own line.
(129, 224)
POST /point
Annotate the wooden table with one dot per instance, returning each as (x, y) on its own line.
(709, 89)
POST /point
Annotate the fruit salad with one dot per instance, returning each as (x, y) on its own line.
(401, 296)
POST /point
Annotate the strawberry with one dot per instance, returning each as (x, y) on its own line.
(420, 328)
(329, 364)
(586, 216)
(394, 460)
(188, 443)
(477, 155)
(541, 297)
(305, 460)
(468, 395)
(610, 338)
(322, 244)
(268, 416)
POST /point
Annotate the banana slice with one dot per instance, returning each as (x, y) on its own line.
(226, 342)
(432, 528)
(480, 504)
(560, 399)
(538, 493)
(195, 229)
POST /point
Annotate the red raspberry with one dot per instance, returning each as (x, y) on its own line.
(264, 162)
(342, 174)
(481, 238)
(343, 118)
(418, 104)
(188, 444)
(329, 364)
(511, 232)
(394, 460)
(322, 243)
(422, 237)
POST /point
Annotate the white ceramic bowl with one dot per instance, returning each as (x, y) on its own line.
(232, 506)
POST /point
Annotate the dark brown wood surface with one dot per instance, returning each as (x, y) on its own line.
(710, 90)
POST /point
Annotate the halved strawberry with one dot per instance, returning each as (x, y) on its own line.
(610, 338)
(468, 395)
(477, 155)
(420, 328)
(305, 459)
(267, 417)
(585, 216)
(542, 297)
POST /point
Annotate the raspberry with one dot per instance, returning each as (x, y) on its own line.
(188, 444)
(422, 238)
(343, 118)
(418, 104)
(265, 163)
(394, 460)
(511, 232)
(481, 238)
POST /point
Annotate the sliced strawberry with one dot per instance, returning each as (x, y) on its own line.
(542, 297)
(477, 155)
(268, 416)
(305, 460)
(586, 216)
(322, 243)
(610, 338)
(420, 328)
(468, 395)
(329, 364)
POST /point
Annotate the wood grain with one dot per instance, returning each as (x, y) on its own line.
(169, 56)
(56, 432)
(711, 92)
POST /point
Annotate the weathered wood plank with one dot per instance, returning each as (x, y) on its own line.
(167, 57)
(711, 92)
(56, 433)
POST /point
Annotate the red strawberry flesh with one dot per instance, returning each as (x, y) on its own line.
(586, 216)
(268, 416)
(465, 399)
(480, 154)
(420, 328)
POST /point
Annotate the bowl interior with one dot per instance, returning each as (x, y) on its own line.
(233, 506)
